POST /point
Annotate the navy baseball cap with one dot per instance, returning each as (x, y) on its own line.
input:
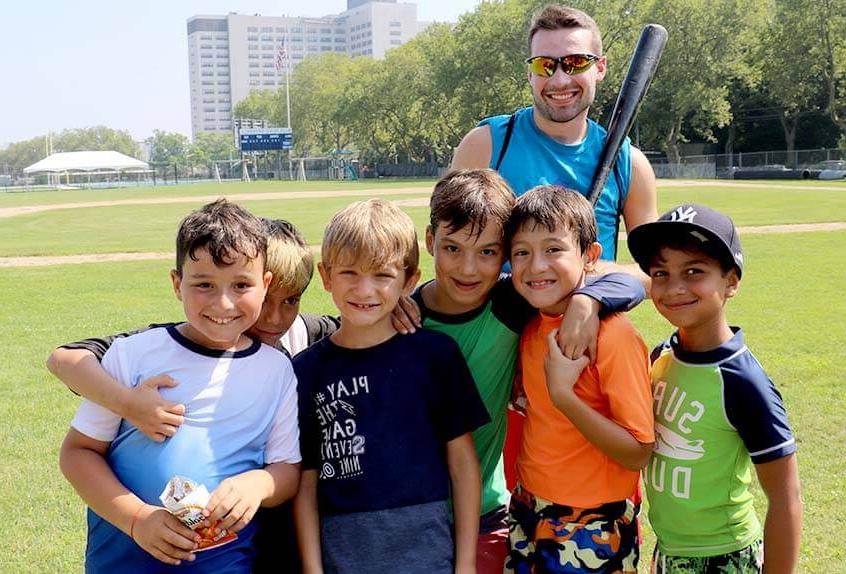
(714, 230)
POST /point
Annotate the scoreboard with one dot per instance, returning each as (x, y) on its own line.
(264, 139)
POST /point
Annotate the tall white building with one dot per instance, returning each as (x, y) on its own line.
(230, 56)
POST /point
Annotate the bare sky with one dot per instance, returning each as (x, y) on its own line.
(120, 64)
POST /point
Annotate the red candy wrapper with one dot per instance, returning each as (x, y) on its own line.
(186, 499)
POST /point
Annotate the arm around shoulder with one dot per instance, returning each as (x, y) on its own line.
(474, 151)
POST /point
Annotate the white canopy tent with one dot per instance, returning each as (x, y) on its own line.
(87, 161)
(105, 166)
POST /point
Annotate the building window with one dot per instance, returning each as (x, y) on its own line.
(395, 24)
(253, 46)
(280, 30)
(253, 56)
(252, 38)
(396, 42)
(254, 64)
(254, 73)
(267, 46)
(223, 82)
(396, 33)
(208, 109)
(252, 29)
(267, 56)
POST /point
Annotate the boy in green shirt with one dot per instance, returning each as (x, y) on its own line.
(716, 411)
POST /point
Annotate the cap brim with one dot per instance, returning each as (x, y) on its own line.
(642, 239)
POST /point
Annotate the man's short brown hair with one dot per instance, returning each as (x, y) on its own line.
(551, 206)
(560, 17)
(225, 230)
(373, 233)
(471, 197)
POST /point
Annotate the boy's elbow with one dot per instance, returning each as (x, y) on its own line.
(53, 363)
(640, 458)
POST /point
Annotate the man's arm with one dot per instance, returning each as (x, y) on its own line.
(308, 523)
(81, 371)
(474, 151)
(466, 494)
(641, 207)
(642, 200)
(783, 527)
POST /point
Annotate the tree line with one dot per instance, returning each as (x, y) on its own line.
(740, 75)
(167, 150)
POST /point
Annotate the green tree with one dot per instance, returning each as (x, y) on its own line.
(705, 51)
(211, 146)
(319, 87)
(22, 154)
(98, 138)
(263, 105)
(168, 148)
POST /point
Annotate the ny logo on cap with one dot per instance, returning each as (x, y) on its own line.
(683, 214)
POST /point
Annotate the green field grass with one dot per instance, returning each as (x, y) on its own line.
(49, 197)
(790, 305)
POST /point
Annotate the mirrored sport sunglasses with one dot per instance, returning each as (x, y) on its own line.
(571, 64)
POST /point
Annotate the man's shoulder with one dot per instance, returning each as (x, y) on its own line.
(502, 119)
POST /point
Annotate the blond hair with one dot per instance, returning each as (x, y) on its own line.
(373, 233)
(288, 256)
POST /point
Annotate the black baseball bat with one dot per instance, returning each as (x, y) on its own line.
(642, 68)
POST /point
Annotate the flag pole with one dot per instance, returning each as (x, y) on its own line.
(288, 104)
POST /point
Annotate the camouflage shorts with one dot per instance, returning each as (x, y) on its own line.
(549, 538)
(749, 560)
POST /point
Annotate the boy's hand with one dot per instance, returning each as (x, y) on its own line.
(580, 328)
(406, 316)
(233, 503)
(561, 372)
(163, 536)
(157, 418)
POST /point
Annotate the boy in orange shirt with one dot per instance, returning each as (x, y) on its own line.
(589, 428)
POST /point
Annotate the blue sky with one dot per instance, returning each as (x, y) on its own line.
(121, 64)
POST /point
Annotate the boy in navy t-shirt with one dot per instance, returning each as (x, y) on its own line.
(385, 419)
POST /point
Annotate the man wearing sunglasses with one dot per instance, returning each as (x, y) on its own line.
(554, 141)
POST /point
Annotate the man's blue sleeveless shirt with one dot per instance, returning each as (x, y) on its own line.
(533, 158)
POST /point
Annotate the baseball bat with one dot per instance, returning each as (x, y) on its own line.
(642, 68)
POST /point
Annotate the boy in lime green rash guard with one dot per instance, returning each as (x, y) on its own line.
(717, 413)
(474, 303)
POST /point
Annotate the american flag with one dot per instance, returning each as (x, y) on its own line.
(281, 55)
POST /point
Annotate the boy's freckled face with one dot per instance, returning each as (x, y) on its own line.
(467, 266)
(548, 265)
(366, 297)
(220, 303)
(690, 289)
(278, 313)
